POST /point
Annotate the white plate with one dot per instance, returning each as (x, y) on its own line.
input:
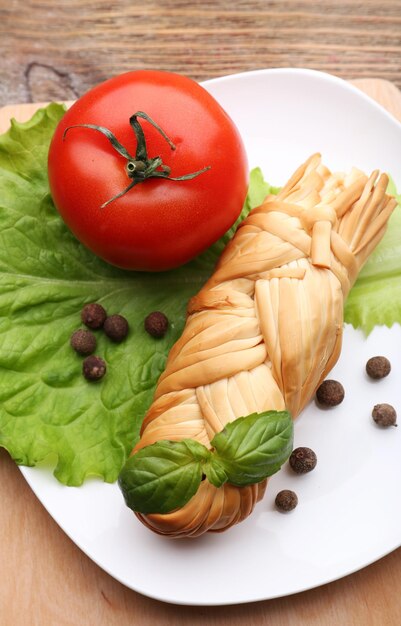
(349, 511)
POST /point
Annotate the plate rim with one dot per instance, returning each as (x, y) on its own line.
(303, 71)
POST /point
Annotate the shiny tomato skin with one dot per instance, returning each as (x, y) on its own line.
(159, 224)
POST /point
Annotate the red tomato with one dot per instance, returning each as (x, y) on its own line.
(158, 224)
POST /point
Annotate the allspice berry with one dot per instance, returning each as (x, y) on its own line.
(286, 500)
(303, 460)
(330, 393)
(116, 328)
(378, 367)
(83, 342)
(156, 324)
(93, 368)
(93, 315)
(384, 415)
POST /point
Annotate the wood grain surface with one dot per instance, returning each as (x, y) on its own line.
(56, 50)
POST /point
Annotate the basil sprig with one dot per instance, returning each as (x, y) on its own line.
(165, 475)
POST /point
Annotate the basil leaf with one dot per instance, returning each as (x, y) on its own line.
(215, 472)
(198, 450)
(163, 476)
(254, 447)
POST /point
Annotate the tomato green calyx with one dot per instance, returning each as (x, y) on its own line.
(139, 167)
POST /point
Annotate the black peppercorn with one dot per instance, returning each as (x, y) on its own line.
(93, 315)
(384, 415)
(286, 500)
(156, 324)
(93, 368)
(303, 460)
(83, 342)
(116, 328)
(378, 367)
(330, 393)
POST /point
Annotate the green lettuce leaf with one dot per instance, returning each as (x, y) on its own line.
(375, 299)
(48, 411)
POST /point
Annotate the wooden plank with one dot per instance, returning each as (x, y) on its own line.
(46, 579)
(383, 91)
(60, 49)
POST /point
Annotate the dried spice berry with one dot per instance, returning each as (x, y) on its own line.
(93, 368)
(378, 367)
(156, 324)
(83, 342)
(286, 500)
(116, 328)
(330, 393)
(384, 415)
(303, 460)
(93, 315)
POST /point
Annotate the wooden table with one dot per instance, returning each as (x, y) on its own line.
(56, 49)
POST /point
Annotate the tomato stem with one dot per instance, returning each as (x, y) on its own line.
(136, 168)
(140, 167)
